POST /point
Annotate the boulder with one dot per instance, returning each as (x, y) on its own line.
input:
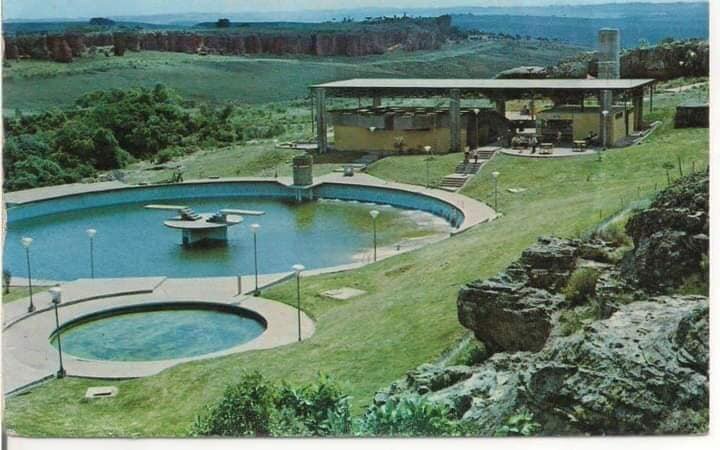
(507, 316)
(671, 236)
(644, 370)
(550, 262)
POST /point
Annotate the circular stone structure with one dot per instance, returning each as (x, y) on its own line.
(158, 331)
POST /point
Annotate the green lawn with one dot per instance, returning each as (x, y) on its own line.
(409, 314)
(255, 159)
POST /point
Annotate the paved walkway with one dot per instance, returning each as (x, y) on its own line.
(558, 152)
(28, 356)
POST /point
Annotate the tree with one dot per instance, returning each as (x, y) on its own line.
(223, 23)
(102, 22)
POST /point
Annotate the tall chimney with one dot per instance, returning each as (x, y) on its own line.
(609, 53)
(608, 68)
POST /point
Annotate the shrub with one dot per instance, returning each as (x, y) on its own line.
(613, 232)
(522, 424)
(257, 407)
(410, 416)
(472, 352)
(245, 409)
(321, 408)
(572, 321)
(580, 287)
(166, 155)
(6, 278)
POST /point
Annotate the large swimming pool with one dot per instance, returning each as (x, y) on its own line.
(132, 241)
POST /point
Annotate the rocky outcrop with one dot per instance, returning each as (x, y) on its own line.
(516, 310)
(629, 374)
(667, 61)
(636, 362)
(661, 62)
(671, 237)
(524, 72)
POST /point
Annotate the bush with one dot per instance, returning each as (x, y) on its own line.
(522, 424)
(580, 287)
(410, 416)
(257, 407)
(246, 409)
(472, 352)
(613, 232)
(6, 278)
(322, 409)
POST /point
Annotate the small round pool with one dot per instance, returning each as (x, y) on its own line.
(159, 332)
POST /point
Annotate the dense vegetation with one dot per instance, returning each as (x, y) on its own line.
(106, 130)
(256, 406)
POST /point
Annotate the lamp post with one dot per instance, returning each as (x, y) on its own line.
(298, 268)
(495, 182)
(255, 228)
(428, 149)
(605, 114)
(26, 242)
(91, 232)
(56, 295)
(374, 214)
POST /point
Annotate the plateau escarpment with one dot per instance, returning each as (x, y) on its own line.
(357, 40)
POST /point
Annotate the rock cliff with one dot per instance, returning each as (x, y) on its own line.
(426, 34)
(661, 62)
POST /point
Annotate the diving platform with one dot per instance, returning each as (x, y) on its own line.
(200, 227)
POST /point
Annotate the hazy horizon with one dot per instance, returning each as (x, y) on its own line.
(83, 9)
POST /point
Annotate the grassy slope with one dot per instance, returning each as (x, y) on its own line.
(408, 316)
(38, 85)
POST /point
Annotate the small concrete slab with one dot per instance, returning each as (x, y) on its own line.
(101, 392)
(344, 293)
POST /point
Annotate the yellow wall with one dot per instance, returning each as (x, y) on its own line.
(585, 122)
(362, 139)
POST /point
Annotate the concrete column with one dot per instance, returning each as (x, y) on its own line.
(472, 131)
(638, 103)
(606, 101)
(500, 106)
(455, 120)
(321, 120)
(377, 102)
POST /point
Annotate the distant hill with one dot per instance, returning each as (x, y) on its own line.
(572, 24)
(583, 31)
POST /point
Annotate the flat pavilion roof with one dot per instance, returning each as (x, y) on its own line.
(429, 85)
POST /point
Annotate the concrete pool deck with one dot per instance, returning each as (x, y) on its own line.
(28, 356)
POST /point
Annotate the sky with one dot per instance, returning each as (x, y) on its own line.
(39, 9)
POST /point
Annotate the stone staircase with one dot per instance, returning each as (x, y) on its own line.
(486, 153)
(470, 168)
(465, 170)
(454, 181)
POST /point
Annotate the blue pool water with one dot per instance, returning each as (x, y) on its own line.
(132, 241)
(159, 334)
